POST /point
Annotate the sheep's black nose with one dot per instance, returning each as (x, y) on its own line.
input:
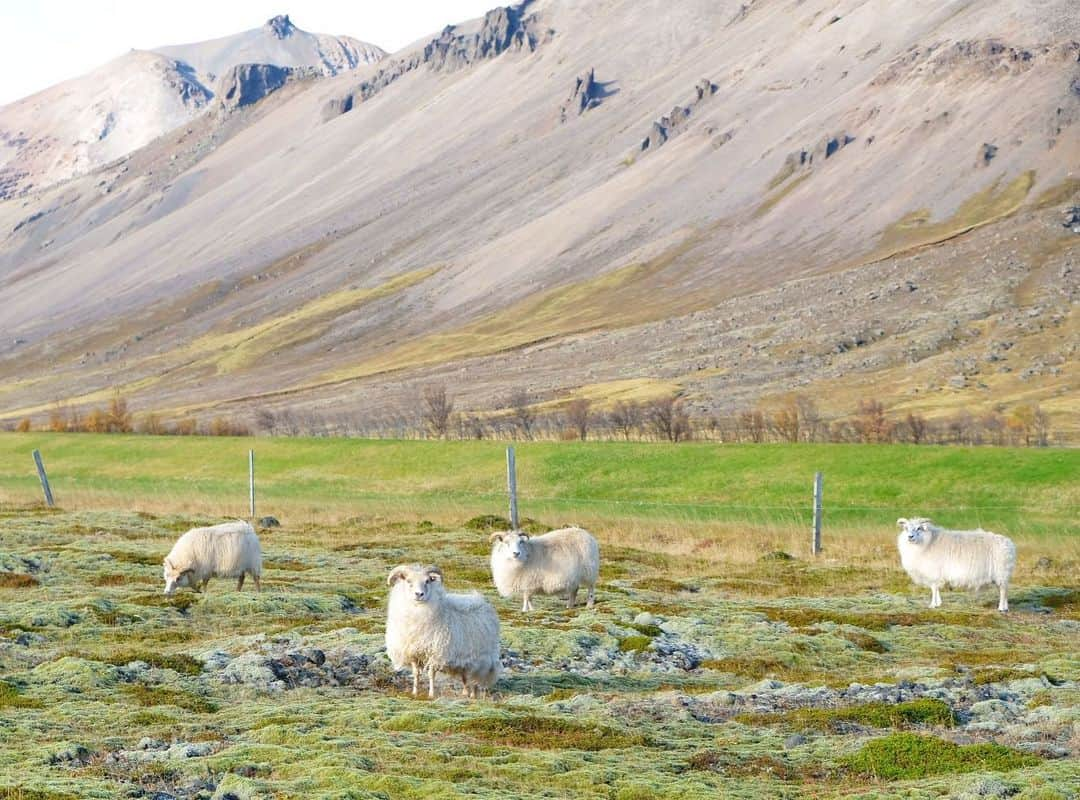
(419, 595)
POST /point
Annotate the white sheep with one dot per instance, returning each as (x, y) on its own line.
(229, 550)
(428, 627)
(933, 557)
(559, 562)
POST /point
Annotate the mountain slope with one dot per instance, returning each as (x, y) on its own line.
(83, 123)
(566, 195)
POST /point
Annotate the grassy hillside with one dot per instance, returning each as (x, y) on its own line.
(1016, 490)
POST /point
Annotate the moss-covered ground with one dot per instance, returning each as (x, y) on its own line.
(695, 676)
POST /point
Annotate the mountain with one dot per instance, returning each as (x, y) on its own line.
(81, 124)
(734, 200)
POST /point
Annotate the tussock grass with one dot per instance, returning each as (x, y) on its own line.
(925, 711)
(17, 580)
(548, 733)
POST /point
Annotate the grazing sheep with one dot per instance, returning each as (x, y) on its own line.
(229, 550)
(428, 627)
(933, 557)
(560, 562)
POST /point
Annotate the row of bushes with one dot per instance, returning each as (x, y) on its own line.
(669, 418)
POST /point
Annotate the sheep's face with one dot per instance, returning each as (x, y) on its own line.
(419, 583)
(513, 545)
(918, 531)
(175, 577)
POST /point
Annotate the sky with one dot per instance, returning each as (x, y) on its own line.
(48, 41)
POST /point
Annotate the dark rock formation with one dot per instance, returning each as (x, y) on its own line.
(987, 153)
(666, 127)
(281, 26)
(1072, 219)
(503, 29)
(249, 83)
(587, 94)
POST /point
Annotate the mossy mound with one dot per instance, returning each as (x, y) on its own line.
(905, 756)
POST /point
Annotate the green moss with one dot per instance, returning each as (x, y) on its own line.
(651, 631)
(925, 711)
(665, 585)
(635, 644)
(761, 766)
(548, 733)
(21, 793)
(905, 756)
(180, 662)
(11, 698)
(159, 696)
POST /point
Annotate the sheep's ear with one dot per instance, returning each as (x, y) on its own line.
(925, 526)
(496, 537)
(523, 535)
(433, 573)
(395, 574)
(902, 522)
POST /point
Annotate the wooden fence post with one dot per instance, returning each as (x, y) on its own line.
(251, 481)
(511, 483)
(815, 546)
(43, 478)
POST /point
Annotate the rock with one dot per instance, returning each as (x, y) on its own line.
(794, 741)
(148, 743)
(587, 94)
(672, 124)
(987, 153)
(269, 522)
(644, 618)
(246, 84)
(503, 29)
(1072, 219)
(991, 787)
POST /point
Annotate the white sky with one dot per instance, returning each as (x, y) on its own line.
(47, 41)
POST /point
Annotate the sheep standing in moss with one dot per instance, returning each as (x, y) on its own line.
(934, 557)
(560, 562)
(230, 550)
(430, 628)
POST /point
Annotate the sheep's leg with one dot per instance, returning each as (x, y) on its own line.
(526, 605)
(431, 681)
(240, 581)
(1003, 597)
(258, 585)
(571, 598)
(935, 596)
(592, 596)
(415, 678)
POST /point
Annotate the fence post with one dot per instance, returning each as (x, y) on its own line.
(511, 483)
(43, 478)
(815, 546)
(251, 481)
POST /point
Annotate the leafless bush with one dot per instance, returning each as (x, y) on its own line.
(578, 416)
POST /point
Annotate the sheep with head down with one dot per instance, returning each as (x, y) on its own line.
(229, 550)
(560, 562)
(430, 628)
(935, 557)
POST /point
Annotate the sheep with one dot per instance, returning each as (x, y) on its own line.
(559, 562)
(428, 627)
(229, 550)
(933, 556)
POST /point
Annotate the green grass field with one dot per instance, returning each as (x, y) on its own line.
(1012, 489)
(720, 661)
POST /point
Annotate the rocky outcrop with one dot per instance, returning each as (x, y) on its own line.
(587, 93)
(502, 30)
(246, 84)
(281, 26)
(673, 124)
(972, 58)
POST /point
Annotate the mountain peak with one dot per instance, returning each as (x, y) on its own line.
(281, 26)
